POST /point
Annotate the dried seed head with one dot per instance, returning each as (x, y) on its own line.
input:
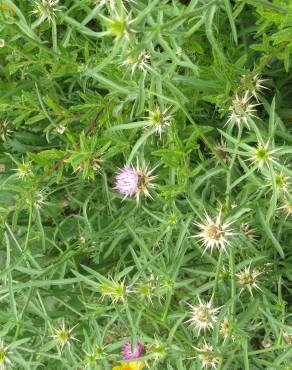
(203, 316)
(4, 358)
(249, 232)
(137, 62)
(254, 84)
(46, 9)
(221, 150)
(60, 129)
(287, 337)
(287, 207)
(214, 233)
(226, 329)
(248, 279)
(240, 110)
(207, 357)
(5, 129)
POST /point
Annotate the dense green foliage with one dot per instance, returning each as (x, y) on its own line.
(200, 91)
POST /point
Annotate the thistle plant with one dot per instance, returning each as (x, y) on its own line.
(145, 184)
(248, 279)
(203, 316)
(46, 9)
(134, 181)
(214, 233)
(207, 357)
(63, 336)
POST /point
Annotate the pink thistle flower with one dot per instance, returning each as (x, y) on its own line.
(128, 354)
(127, 181)
(131, 181)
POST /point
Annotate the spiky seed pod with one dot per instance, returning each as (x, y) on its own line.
(116, 291)
(248, 279)
(159, 119)
(46, 9)
(203, 316)
(137, 62)
(287, 207)
(4, 356)
(63, 336)
(214, 233)
(207, 357)
(240, 110)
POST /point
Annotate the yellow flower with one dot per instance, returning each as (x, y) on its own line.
(135, 365)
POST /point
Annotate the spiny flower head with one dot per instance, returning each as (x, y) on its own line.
(63, 336)
(137, 62)
(282, 182)
(132, 181)
(225, 329)
(262, 155)
(203, 316)
(133, 365)
(253, 84)
(248, 279)
(287, 337)
(221, 150)
(249, 232)
(159, 119)
(158, 350)
(120, 26)
(4, 359)
(127, 180)
(5, 129)
(287, 207)
(207, 357)
(144, 290)
(117, 291)
(93, 356)
(129, 354)
(24, 170)
(240, 109)
(214, 233)
(39, 199)
(46, 9)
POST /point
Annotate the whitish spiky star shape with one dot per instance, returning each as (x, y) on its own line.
(207, 356)
(214, 233)
(46, 9)
(262, 155)
(240, 109)
(203, 316)
(248, 279)
(63, 336)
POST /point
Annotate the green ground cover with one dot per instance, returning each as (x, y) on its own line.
(145, 184)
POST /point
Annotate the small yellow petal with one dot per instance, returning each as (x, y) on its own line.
(135, 365)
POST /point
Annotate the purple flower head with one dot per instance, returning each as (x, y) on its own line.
(128, 354)
(127, 181)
